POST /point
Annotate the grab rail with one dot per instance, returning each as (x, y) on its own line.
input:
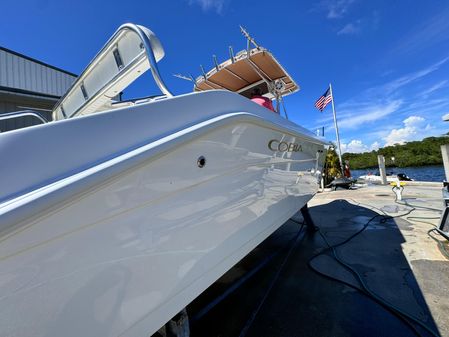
(25, 113)
(151, 58)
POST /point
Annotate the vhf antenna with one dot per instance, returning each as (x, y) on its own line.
(187, 78)
(249, 38)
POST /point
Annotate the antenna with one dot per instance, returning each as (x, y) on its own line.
(183, 77)
(249, 38)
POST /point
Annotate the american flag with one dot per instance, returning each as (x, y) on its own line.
(324, 100)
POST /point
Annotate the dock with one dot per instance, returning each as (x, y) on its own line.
(292, 284)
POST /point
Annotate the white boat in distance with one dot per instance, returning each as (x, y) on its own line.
(374, 178)
(116, 215)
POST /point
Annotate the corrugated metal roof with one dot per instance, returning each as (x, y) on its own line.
(21, 72)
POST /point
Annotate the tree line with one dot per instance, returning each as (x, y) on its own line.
(416, 153)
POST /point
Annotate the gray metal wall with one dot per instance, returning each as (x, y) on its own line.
(20, 72)
(26, 83)
(14, 102)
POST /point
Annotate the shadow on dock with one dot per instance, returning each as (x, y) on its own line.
(273, 291)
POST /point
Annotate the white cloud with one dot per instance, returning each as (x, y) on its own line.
(428, 104)
(207, 5)
(375, 146)
(380, 113)
(349, 29)
(412, 130)
(357, 146)
(411, 77)
(413, 121)
(335, 9)
(434, 88)
(355, 116)
(432, 32)
(378, 102)
(392, 87)
(354, 146)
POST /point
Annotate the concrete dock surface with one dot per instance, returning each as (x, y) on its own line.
(285, 287)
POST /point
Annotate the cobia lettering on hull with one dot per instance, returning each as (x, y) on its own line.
(276, 145)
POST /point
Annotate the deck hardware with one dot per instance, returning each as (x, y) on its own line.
(118, 59)
(215, 62)
(203, 72)
(83, 90)
(201, 162)
(398, 187)
(63, 111)
(231, 54)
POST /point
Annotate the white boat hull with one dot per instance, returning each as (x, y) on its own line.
(122, 246)
(377, 179)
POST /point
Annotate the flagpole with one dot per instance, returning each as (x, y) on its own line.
(336, 130)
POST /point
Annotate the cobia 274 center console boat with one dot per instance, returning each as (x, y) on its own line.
(115, 215)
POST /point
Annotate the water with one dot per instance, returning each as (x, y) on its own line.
(424, 173)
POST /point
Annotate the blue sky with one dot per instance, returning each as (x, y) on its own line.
(388, 61)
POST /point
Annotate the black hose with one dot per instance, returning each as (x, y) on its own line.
(440, 244)
(362, 290)
(406, 318)
(405, 203)
(423, 219)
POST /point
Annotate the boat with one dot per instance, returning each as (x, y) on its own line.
(116, 214)
(391, 177)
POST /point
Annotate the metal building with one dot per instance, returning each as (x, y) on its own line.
(29, 84)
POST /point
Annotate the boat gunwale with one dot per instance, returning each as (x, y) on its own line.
(21, 208)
